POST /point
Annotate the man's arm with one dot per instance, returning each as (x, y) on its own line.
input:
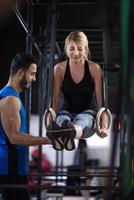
(10, 118)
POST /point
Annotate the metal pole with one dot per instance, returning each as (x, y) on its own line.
(52, 48)
(40, 108)
(28, 93)
(126, 158)
(131, 75)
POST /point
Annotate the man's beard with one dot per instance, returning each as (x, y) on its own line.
(24, 84)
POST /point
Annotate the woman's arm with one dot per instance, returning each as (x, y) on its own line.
(57, 83)
(96, 73)
(98, 80)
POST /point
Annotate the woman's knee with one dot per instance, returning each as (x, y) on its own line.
(62, 116)
(84, 121)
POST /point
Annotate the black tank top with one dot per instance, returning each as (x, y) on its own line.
(78, 97)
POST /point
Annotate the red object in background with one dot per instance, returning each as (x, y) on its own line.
(46, 166)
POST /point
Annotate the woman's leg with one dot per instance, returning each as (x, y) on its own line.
(84, 124)
(63, 116)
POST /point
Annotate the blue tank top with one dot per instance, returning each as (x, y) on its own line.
(13, 158)
(78, 97)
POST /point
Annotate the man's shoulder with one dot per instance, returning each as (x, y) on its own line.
(8, 91)
(9, 103)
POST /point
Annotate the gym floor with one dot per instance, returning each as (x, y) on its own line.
(77, 198)
(68, 198)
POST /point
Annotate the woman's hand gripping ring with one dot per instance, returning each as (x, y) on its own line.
(98, 119)
(49, 114)
(53, 131)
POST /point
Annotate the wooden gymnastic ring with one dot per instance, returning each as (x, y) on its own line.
(98, 116)
(46, 114)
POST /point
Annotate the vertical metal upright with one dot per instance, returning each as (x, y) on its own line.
(52, 47)
(28, 27)
(29, 47)
(107, 57)
(131, 76)
(126, 150)
(40, 108)
(59, 155)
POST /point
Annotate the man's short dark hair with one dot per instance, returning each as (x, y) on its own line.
(21, 61)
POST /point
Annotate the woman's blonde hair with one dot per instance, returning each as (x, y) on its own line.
(78, 37)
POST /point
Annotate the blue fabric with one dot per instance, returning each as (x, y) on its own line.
(21, 152)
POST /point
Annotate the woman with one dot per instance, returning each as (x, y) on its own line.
(80, 81)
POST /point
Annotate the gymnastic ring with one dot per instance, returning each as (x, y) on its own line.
(98, 116)
(46, 114)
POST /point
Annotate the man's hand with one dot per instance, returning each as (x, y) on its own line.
(47, 140)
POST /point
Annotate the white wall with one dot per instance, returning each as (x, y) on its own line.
(98, 148)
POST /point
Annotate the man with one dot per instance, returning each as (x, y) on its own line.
(13, 137)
